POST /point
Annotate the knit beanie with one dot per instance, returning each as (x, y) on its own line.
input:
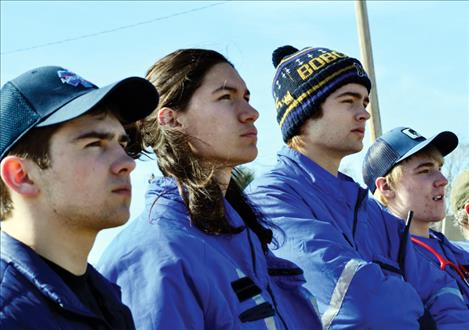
(304, 79)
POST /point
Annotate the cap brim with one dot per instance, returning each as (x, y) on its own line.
(445, 142)
(134, 98)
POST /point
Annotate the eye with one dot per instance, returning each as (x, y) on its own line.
(350, 101)
(94, 143)
(225, 97)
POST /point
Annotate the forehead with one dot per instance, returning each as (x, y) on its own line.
(102, 122)
(223, 74)
(351, 88)
(430, 156)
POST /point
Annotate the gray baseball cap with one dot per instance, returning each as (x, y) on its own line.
(397, 145)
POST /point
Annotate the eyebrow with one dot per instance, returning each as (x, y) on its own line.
(230, 89)
(353, 94)
(428, 164)
(102, 136)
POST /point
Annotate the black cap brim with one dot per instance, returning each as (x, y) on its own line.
(445, 142)
(134, 97)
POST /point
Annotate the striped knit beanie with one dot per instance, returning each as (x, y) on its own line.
(304, 79)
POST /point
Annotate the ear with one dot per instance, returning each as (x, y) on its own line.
(168, 117)
(384, 188)
(15, 175)
(466, 207)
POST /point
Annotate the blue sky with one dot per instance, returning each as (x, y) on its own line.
(420, 48)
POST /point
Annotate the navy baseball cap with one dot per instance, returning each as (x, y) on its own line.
(50, 95)
(397, 145)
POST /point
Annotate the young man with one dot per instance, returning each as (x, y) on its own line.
(403, 170)
(460, 205)
(64, 176)
(347, 245)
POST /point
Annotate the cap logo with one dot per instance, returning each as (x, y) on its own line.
(411, 133)
(70, 78)
(305, 70)
(360, 71)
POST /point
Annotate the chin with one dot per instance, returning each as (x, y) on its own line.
(118, 220)
(441, 218)
(249, 157)
(350, 150)
(436, 219)
(358, 148)
(243, 157)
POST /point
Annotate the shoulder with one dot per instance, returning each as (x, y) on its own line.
(462, 245)
(377, 212)
(149, 245)
(12, 282)
(459, 249)
(3, 268)
(287, 168)
(20, 301)
(164, 220)
(276, 182)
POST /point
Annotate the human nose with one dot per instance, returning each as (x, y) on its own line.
(249, 114)
(441, 180)
(124, 164)
(363, 114)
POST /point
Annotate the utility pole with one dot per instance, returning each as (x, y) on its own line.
(367, 58)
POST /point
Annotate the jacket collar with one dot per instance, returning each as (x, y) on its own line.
(447, 244)
(38, 272)
(342, 187)
(164, 190)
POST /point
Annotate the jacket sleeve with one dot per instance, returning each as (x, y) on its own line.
(351, 292)
(439, 292)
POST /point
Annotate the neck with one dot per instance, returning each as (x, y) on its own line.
(223, 177)
(420, 228)
(324, 158)
(417, 227)
(63, 245)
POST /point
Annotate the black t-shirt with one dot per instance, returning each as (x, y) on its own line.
(83, 289)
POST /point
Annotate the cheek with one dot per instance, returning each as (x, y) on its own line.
(81, 174)
(408, 195)
(200, 131)
(214, 132)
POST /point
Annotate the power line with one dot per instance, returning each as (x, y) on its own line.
(123, 27)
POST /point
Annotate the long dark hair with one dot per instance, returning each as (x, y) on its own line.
(176, 77)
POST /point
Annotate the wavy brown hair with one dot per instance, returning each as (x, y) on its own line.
(176, 77)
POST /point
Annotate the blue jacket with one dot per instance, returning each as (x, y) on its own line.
(462, 244)
(174, 276)
(33, 296)
(450, 252)
(348, 246)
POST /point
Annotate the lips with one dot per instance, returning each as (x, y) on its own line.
(123, 190)
(359, 130)
(438, 197)
(250, 133)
